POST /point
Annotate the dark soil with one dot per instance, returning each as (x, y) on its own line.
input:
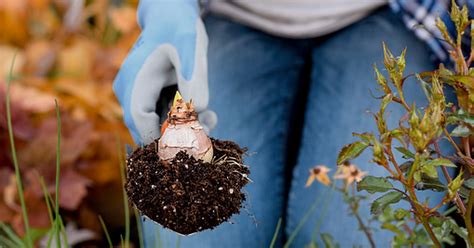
(187, 195)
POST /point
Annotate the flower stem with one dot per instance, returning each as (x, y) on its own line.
(446, 133)
(468, 217)
(354, 205)
(58, 168)
(419, 213)
(470, 201)
(29, 240)
(457, 198)
(400, 176)
(367, 232)
(418, 210)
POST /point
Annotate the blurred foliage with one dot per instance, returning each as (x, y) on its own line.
(71, 51)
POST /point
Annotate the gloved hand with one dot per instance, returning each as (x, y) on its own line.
(172, 49)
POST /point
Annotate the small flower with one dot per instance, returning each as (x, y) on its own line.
(345, 168)
(350, 173)
(319, 173)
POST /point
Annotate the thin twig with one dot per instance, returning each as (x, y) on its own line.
(457, 199)
(446, 133)
(468, 218)
(391, 157)
(354, 207)
(362, 226)
(58, 168)
(419, 213)
(470, 201)
(467, 148)
(29, 240)
(419, 210)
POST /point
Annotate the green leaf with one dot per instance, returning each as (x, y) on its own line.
(464, 192)
(424, 86)
(406, 166)
(386, 216)
(461, 116)
(428, 183)
(11, 235)
(400, 241)
(460, 18)
(378, 153)
(385, 101)
(455, 184)
(469, 183)
(406, 153)
(328, 241)
(468, 81)
(435, 221)
(382, 202)
(391, 227)
(373, 184)
(417, 176)
(401, 63)
(429, 170)
(401, 213)
(398, 135)
(312, 245)
(461, 131)
(444, 30)
(439, 162)
(389, 59)
(420, 238)
(351, 151)
(472, 35)
(453, 227)
(38, 233)
(382, 81)
(365, 137)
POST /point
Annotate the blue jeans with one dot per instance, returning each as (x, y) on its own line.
(295, 103)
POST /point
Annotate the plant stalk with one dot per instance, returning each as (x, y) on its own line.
(470, 201)
(363, 227)
(124, 195)
(457, 199)
(450, 139)
(58, 168)
(391, 157)
(419, 213)
(26, 222)
(468, 217)
(418, 210)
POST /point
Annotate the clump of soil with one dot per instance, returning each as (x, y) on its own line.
(187, 195)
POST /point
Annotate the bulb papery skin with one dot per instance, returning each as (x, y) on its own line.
(189, 137)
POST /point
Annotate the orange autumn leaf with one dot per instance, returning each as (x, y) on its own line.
(124, 19)
(40, 56)
(13, 21)
(74, 61)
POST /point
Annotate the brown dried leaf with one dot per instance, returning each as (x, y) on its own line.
(73, 188)
(75, 60)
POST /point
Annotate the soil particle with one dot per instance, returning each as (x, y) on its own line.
(187, 195)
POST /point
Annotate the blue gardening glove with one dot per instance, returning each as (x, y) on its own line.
(172, 49)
